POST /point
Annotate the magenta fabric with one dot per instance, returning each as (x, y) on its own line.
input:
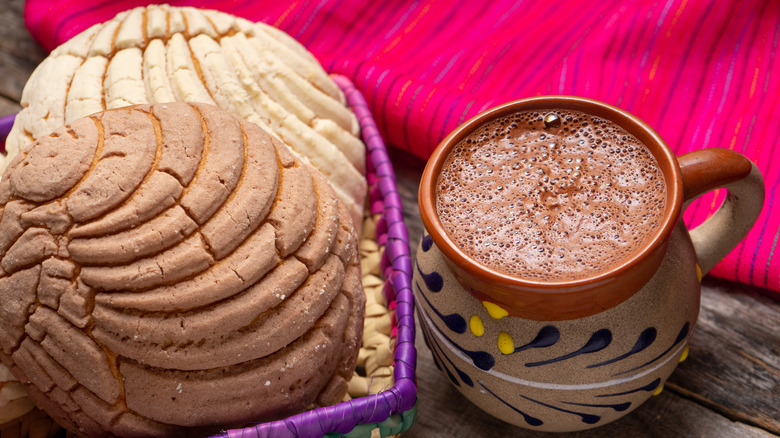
(703, 73)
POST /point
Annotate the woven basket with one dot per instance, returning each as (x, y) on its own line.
(383, 393)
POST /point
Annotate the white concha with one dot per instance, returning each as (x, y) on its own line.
(162, 53)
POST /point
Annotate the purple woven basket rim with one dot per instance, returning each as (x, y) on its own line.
(401, 397)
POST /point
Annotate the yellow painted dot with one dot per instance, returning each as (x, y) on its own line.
(505, 343)
(476, 325)
(658, 391)
(685, 354)
(494, 310)
(698, 272)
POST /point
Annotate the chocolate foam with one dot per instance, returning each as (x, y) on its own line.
(550, 202)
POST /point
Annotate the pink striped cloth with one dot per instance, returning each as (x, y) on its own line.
(704, 73)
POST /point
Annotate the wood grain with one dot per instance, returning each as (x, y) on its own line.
(728, 387)
(19, 55)
(734, 362)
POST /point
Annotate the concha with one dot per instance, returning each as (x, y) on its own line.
(162, 53)
(171, 267)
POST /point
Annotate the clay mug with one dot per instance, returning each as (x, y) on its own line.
(569, 355)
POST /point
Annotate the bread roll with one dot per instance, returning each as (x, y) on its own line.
(160, 54)
(168, 268)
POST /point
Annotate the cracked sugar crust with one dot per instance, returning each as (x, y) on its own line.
(171, 267)
(160, 53)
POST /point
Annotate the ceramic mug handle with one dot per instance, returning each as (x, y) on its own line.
(709, 169)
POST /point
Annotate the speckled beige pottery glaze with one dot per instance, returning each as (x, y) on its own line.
(573, 355)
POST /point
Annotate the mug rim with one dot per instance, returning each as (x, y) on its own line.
(564, 299)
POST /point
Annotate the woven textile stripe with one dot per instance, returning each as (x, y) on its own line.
(703, 73)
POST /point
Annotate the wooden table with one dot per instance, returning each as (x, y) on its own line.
(728, 387)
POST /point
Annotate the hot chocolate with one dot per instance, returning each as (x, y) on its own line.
(550, 195)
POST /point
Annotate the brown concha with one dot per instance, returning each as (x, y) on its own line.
(169, 268)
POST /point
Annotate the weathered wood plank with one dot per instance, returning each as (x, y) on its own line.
(14, 37)
(14, 73)
(408, 170)
(8, 106)
(734, 362)
(19, 54)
